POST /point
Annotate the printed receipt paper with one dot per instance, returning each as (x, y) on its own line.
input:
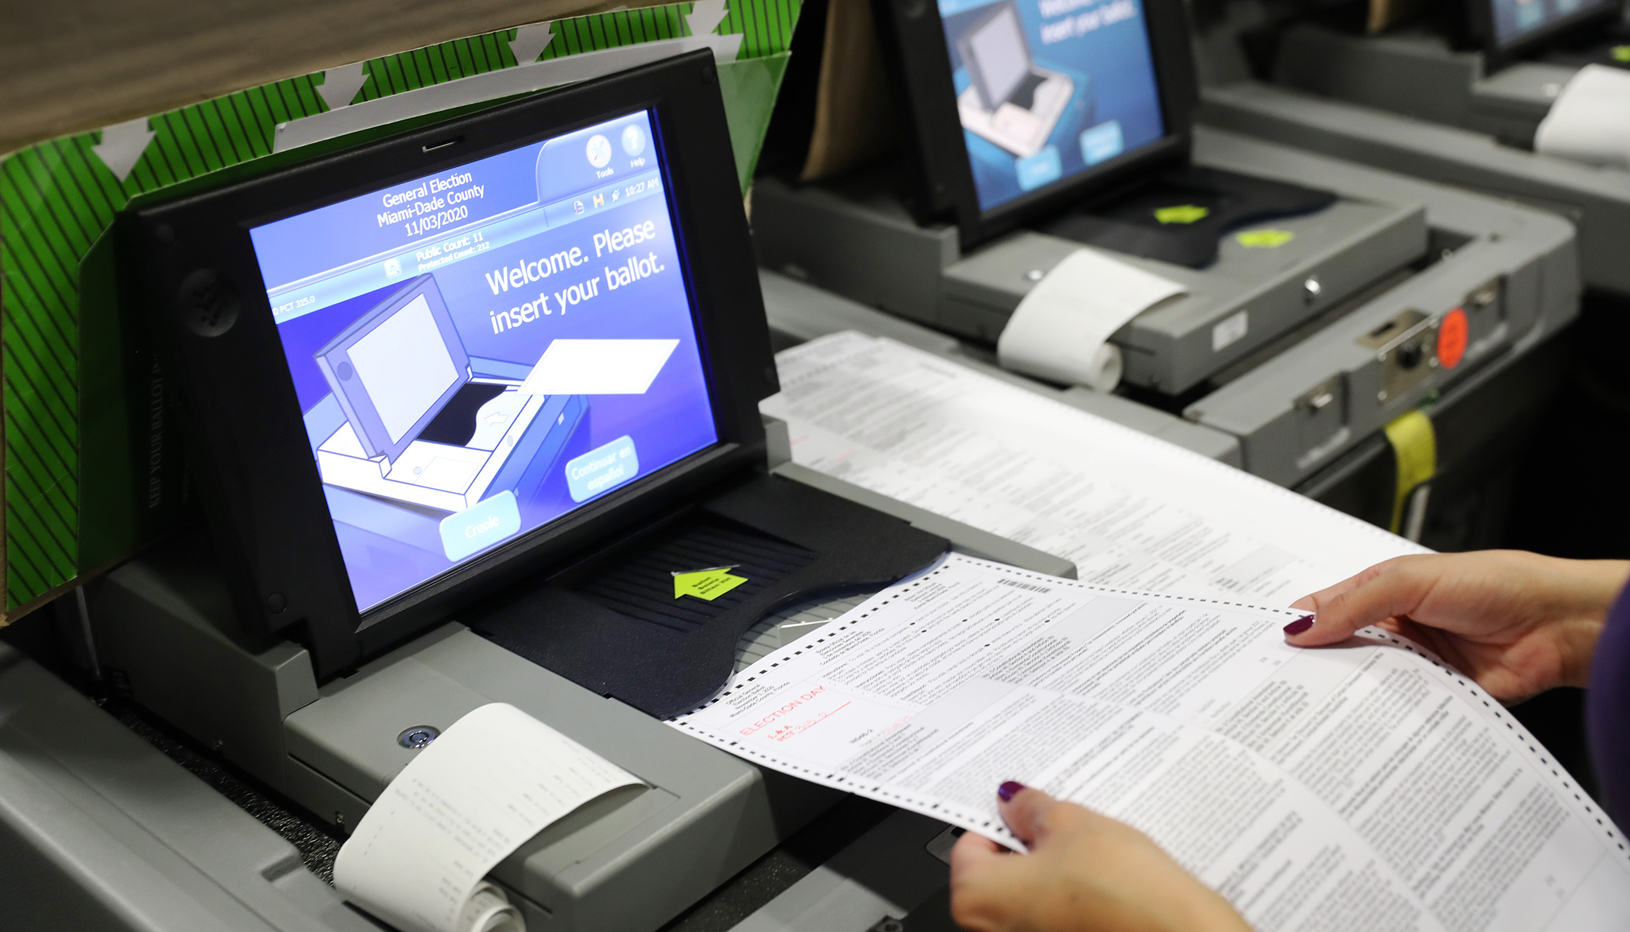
(493, 780)
(1061, 329)
(598, 367)
(1590, 120)
(1359, 787)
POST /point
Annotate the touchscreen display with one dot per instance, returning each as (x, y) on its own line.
(1049, 88)
(480, 351)
(1515, 19)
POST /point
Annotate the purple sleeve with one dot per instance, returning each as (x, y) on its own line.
(1607, 710)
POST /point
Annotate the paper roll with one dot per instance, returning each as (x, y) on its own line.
(1590, 120)
(1103, 372)
(489, 910)
(494, 778)
(1061, 329)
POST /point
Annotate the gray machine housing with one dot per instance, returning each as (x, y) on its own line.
(799, 312)
(853, 236)
(1512, 270)
(628, 861)
(1354, 347)
(100, 832)
(1408, 103)
(1416, 73)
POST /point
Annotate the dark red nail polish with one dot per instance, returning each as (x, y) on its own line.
(1299, 625)
(1009, 790)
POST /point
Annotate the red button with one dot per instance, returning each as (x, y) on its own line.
(1452, 335)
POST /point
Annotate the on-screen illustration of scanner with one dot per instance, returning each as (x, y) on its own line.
(414, 419)
(1003, 95)
(427, 451)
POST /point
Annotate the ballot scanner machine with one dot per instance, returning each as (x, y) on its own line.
(1411, 101)
(351, 371)
(1496, 71)
(1482, 426)
(1320, 299)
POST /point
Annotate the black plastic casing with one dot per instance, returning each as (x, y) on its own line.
(938, 181)
(1480, 20)
(190, 261)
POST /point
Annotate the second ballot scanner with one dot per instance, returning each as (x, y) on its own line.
(1320, 299)
(1413, 101)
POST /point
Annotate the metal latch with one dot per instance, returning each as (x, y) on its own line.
(1406, 350)
(1483, 295)
(1320, 396)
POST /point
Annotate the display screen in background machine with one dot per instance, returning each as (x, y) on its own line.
(1514, 19)
(1047, 89)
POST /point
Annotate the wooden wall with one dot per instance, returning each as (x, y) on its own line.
(68, 66)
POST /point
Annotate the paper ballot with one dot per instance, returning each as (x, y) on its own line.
(466, 801)
(1130, 510)
(1590, 120)
(598, 367)
(1359, 787)
(1061, 329)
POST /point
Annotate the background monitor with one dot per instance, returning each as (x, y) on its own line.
(1510, 28)
(434, 364)
(1020, 107)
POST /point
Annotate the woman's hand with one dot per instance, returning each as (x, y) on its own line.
(1517, 623)
(1084, 873)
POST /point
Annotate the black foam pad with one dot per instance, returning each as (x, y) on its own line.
(1130, 223)
(613, 625)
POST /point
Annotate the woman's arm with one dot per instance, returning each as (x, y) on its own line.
(1084, 873)
(1516, 622)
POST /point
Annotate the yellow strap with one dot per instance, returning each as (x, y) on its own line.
(1415, 449)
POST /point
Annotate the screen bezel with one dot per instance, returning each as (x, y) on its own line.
(1497, 55)
(261, 488)
(936, 172)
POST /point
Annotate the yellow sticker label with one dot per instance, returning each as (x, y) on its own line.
(1268, 238)
(1621, 53)
(707, 584)
(1182, 213)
